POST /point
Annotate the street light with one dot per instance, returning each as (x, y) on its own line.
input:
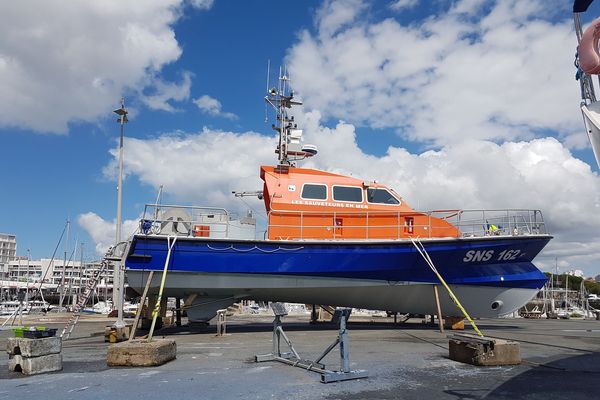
(118, 277)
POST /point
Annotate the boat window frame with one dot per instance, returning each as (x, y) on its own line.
(387, 190)
(362, 195)
(316, 184)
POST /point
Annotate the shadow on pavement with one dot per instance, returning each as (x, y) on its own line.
(570, 378)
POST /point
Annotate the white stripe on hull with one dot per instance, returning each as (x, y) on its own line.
(404, 297)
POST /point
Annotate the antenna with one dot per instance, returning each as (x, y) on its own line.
(268, 73)
(281, 98)
(267, 89)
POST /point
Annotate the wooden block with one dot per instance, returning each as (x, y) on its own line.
(326, 313)
(455, 323)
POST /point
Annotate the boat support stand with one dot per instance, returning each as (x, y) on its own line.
(293, 358)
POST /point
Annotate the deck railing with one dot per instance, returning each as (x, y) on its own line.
(344, 225)
(161, 219)
(367, 225)
(507, 222)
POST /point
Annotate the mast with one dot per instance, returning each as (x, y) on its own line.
(281, 99)
(72, 275)
(79, 274)
(64, 266)
(28, 275)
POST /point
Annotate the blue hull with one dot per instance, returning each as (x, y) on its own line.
(500, 262)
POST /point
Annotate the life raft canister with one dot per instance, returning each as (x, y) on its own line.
(589, 56)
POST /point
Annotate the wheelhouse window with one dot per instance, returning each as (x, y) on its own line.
(348, 193)
(381, 196)
(314, 192)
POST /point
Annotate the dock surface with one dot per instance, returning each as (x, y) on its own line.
(561, 360)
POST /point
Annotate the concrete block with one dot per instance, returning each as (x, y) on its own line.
(485, 351)
(141, 353)
(35, 365)
(33, 347)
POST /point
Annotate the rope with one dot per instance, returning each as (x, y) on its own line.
(427, 259)
(230, 247)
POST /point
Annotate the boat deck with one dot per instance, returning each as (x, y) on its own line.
(408, 361)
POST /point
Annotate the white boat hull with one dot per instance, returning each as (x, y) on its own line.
(591, 118)
(215, 291)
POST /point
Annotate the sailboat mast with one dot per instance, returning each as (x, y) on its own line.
(28, 276)
(64, 266)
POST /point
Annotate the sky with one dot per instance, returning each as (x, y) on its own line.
(466, 104)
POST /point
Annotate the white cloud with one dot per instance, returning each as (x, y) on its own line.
(203, 167)
(505, 75)
(212, 106)
(403, 4)
(164, 92)
(103, 232)
(202, 4)
(63, 61)
(335, 15)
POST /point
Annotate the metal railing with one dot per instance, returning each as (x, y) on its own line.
(506, 222)
(305, 225)
(160, 219)
(398, 225)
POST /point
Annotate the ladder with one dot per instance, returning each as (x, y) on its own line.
(89, 289)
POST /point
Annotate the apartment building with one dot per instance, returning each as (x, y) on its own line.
(8, 252)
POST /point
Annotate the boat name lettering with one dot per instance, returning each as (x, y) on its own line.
(508, 255)
(486, 255)
(478, 255)
(329, 204)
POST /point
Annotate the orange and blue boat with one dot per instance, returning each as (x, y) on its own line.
(336, 240)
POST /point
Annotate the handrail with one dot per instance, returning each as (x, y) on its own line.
(342, 224)
(470, 223)
(148, 205)
(182, 220)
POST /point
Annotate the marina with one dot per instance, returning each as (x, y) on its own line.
(271, 268)
(408, 361)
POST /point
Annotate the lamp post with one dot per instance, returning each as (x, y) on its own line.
(118, 277)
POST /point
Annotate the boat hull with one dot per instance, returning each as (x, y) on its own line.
(491, 276)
